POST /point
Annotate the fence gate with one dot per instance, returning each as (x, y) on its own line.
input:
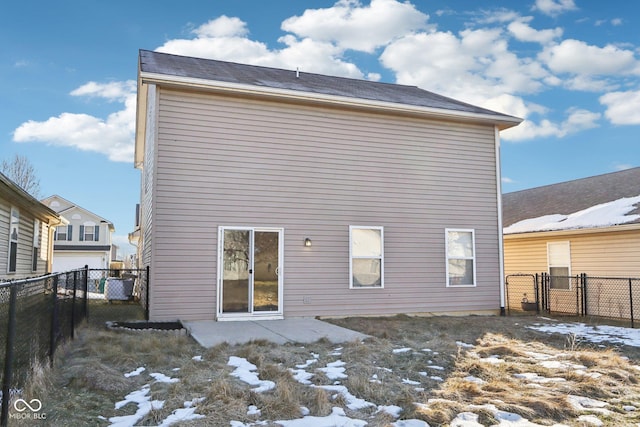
(563, 294)
(522, 293)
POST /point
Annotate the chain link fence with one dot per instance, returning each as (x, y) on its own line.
(38, 314)
(119, 285)
(581, 295)
(35, 316)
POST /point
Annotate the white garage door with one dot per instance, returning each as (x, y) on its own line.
(68, 262)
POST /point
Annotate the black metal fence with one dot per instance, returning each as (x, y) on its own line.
(38, 314)
(581, 295)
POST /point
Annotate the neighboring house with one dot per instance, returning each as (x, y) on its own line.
(269, 193)
(26, 231)
(84, 240)
(589, 225)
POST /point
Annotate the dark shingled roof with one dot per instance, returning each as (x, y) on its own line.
(571, 196)
(183, 66)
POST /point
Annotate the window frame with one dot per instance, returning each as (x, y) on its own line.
(12, 253)
(472, 258)
(68, 230)
(553, 264)
(36, 244)
(353, 257)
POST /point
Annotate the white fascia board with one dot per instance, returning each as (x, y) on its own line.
(502, 121)
(554, 233)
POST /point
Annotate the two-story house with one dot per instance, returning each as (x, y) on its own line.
(26, 230)
(269, 193)
(84, 240)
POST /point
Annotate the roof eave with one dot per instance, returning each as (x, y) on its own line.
(17, 195)
(572, 231)
(141, 123)
(501, 121)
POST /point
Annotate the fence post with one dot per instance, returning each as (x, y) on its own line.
(86, 292)
(146, 305)
(537, 290)
(8, 359)
(631, 301)
(584, 294)
(54, 320)
(73, 303)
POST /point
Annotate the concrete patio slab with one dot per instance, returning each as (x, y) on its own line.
(302, 330)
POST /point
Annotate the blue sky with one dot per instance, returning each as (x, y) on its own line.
(570, 68)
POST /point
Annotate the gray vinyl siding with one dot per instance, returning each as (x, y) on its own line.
(314, 171)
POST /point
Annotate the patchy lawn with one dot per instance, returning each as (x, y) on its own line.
(459, 371)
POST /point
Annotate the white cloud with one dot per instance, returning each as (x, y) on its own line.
(524, 32)
(577, 120)
(350, 25)
(578, 57)
(623, 108)
(554, 7)
(113, 91)
(222, 26)
(225, 39)
(112, 137)
(474, 66)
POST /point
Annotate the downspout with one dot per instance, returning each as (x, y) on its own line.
(500, 227)
(51, 225)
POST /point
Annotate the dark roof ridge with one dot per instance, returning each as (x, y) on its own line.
(571, 181)
(288, 70)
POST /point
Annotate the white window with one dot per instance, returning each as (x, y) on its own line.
(14, 232)
(36, 244)
(559, 261)
(366, 256)
(461, 257)
(89, 232)
(64, 232)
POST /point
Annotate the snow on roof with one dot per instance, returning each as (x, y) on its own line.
(602, 215)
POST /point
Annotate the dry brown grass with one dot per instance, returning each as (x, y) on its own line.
(88, 376)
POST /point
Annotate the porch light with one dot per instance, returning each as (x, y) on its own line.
(307, 242)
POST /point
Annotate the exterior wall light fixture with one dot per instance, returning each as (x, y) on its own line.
(307, 242)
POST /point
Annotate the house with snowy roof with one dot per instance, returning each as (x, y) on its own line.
(270, 193)
(589, 225)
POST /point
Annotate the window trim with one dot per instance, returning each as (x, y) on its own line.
(36, 245)
(12, 255)
(352, 257)
(472, 258)
(94, 234)
(68, 230)
(567, 243)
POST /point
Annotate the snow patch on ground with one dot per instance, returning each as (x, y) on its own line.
(244, 372)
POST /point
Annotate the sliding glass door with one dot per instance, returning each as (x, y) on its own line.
(250, 271)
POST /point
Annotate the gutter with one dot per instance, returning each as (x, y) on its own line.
(572, 231)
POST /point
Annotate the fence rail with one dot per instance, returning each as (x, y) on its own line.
(581, 295)
(38, 314)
